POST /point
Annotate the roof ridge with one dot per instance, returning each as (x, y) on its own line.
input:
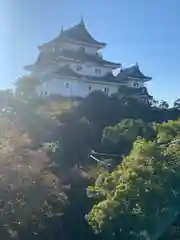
(78, 33)
(132, 71)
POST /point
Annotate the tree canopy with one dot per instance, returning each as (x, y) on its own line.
(53, 166)
(139, 198)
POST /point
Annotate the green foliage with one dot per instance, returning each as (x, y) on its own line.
(45, 165)
(172, 231)
(120, 137)
(168, 130)
(128, 129)
(25, 87)
(6, 98)
(28, 188)
(163, 105)
(142, 190)
(98, 108)
(75, 143)
(177, 104)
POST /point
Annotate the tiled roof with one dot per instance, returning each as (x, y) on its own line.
(78, 33)
(70, 55)
(141, 92)
(84, 57)
(132, 72)
(144, 92)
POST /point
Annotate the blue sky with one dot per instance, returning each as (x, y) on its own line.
(147, 32)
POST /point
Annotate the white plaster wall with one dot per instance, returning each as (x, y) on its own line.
(57, 86)
(89, 70)
(76, 47)
(69, 46)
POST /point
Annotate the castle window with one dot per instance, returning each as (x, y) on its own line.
(143, 89)
(79, 68)
(67, 85)
(82, 49)
(106, 90)
(97, 71)
(136, 85)
(90, 88)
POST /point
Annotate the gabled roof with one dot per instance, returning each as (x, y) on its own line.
(84, 57)
(66, 55)
(41, 59)
(77, 33)
(132, 72)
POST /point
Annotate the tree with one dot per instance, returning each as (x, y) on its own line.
(177, 104)
(31, 196)
(168, 130)
(150, 174)
(172, 231)
(98, 108)
(154, 103)
(120, 137)
(75, 143)
(6, 98)
(163, 104)
(113, 123)
(25, 87)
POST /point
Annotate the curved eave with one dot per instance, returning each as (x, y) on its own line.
(69, 73)
(144, 79)
(113, 65)
(98, 45)
(101, 63)
(147, 96)
(124, 81)
(86, 79)
(29, 67)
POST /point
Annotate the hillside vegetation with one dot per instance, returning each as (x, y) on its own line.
(103, 167)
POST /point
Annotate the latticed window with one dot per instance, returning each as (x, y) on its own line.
(82, 49)
(106, 90)
(79, 68)
(67, 85)
(136, 85)
(97, 71)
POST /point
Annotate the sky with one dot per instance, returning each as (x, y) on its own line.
(143, 31)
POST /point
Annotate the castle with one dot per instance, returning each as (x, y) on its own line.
(71, 65)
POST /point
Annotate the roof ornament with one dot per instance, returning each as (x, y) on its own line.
(137, 65)
(62, 29)
(82, 20)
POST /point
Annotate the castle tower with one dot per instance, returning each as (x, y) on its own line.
(71, 65)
